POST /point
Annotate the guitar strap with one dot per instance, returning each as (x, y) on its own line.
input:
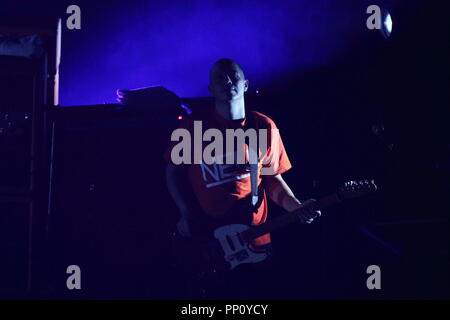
(254, 182)
(253, 160)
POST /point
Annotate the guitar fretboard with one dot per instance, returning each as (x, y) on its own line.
(286, 219)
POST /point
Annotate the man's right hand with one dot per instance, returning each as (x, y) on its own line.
(183, 227)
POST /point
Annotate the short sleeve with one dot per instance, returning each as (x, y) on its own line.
(276, 160)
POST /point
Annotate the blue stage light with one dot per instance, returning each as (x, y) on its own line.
(386, 29)
(388, 23)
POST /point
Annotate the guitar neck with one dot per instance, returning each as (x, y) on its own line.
(287, 219)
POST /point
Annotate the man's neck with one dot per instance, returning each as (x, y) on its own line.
(231, 110)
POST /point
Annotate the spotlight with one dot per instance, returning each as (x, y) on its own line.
(386, 28)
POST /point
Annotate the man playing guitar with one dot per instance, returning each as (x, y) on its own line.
(224, 192)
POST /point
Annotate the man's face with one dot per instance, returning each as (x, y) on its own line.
(227, 82)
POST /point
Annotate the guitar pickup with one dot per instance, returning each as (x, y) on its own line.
(239, 256)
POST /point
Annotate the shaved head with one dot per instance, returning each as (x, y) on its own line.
(226, 64)
(227, 80)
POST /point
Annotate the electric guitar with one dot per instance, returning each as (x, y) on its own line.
(230, 246)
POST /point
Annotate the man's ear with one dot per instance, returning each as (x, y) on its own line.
(245, 85)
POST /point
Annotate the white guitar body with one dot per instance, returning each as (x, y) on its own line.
(236, 250)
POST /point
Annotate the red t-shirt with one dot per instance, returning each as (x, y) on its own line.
(224, 190)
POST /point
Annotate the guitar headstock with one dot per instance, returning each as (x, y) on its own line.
(355, 189)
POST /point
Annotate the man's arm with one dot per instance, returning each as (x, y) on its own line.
(176, 178)
(280, 193)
